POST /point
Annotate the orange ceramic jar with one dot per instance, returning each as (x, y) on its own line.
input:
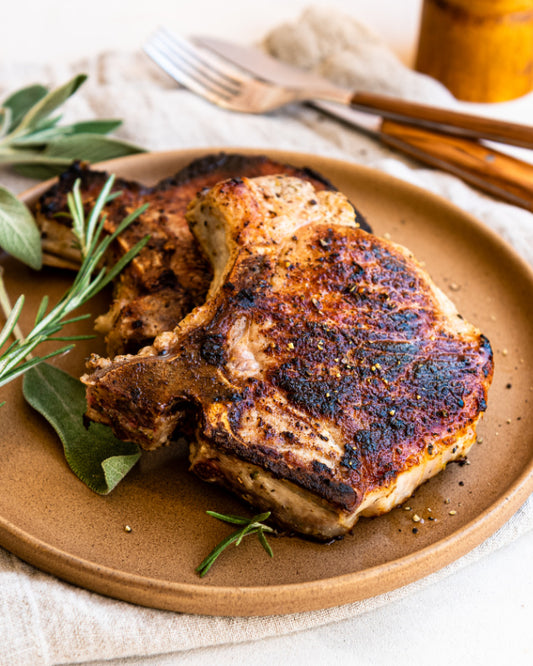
(482, 50)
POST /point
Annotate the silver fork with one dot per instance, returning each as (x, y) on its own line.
(213, 78)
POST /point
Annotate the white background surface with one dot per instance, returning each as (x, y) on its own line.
(484, 613)
(58, 29)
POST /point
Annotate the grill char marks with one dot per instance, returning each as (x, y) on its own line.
(328, 375)
(170, 276)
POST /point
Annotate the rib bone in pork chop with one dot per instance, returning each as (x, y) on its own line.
(170, 276)
(327, 374)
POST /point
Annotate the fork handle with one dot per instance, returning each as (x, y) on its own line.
(499, 174)
(443, 120)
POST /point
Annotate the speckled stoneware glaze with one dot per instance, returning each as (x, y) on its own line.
(50, 519)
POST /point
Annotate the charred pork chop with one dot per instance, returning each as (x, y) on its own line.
(327, 374)
(170, 276)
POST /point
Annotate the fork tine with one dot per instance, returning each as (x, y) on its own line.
(179, 70)
(178, 74)
(205, 61)
(212, 77)
(203, 74)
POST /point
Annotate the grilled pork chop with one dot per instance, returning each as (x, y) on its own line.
(327, 374)
(170, 276)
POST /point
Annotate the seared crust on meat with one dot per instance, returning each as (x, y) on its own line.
(51, 210)
(170, 276)
(327, 373)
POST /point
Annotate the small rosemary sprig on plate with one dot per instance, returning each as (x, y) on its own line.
(91, 278)
(254, 525)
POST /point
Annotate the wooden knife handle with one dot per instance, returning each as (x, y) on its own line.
(443, 120)
(501, 175)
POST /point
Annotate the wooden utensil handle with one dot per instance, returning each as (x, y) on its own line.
(443, 120)
(494, 172)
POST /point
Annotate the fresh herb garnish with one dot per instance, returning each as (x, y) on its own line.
(19, 234)
(93, 453)
(37, 146)
(91, 278)
(254, 525)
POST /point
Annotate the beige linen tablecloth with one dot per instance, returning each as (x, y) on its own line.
(46, 621)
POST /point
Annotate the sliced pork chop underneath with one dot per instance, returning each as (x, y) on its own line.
(328, 375)
(170, 276)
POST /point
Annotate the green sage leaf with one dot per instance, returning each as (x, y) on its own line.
(46, 123)
(37, 139)
(61, 152)
(50, 133)
(19, 234)
(101, 126)
(29, 156)
(89, 147)
(94, 454)
(21, 101)
(50, 102)
(5, 121)
(41, 171)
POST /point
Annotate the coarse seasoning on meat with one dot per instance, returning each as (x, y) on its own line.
(170, 276)
(326, 375)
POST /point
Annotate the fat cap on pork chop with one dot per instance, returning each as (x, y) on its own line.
(328, 376)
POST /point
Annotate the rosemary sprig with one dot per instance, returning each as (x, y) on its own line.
(254, 525)
(91, 278)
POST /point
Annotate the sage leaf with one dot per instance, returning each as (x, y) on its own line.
(38, 138)
(89, 147)
(50, 102)
(28, 156)
(49, 133)
(47, 123)
(61, 152)
(5, 121)
(41, 171)
(21, 101)
(19, 234)
(100, 126)
(94, 454)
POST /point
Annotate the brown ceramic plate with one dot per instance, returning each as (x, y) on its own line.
(50, 519)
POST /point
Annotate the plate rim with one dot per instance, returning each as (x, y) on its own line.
(286, 154)
(297, 596)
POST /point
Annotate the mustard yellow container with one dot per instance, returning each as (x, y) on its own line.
(481, 50)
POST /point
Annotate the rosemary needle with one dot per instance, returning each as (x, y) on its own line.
(91, 278)
(254, 525)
